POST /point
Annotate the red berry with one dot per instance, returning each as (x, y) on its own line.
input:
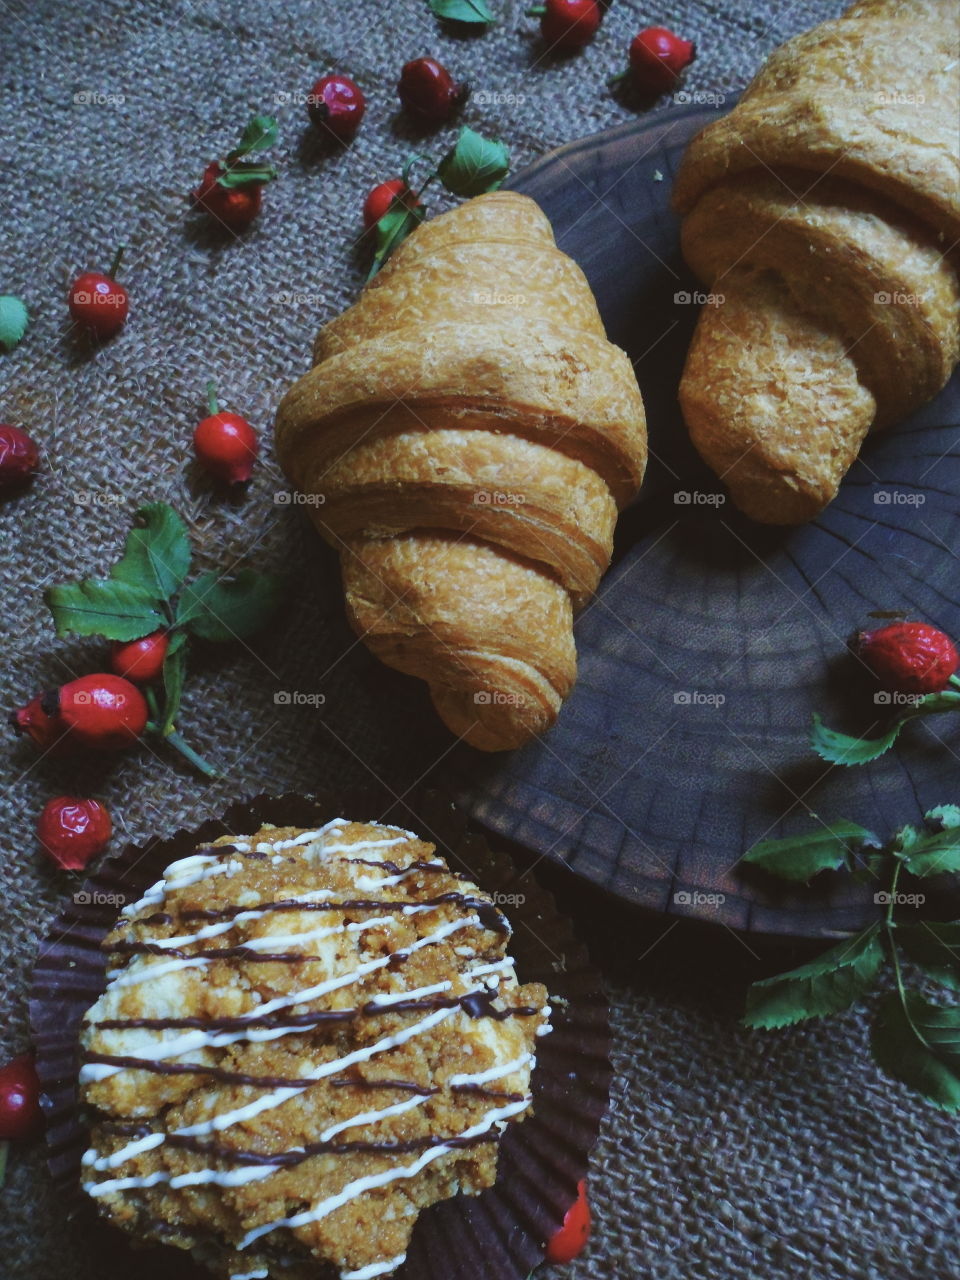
(909, 657)
(571, 1240)
(99, 303)
(570, 24)
(381, 198)
(226, 445)
(336, 105)
(657, 57)
(72, 831)
(47, 731)
(429, 92)
(19, 1099)
(19, 458)
(140, 660)
(235, 207)
(101, 711)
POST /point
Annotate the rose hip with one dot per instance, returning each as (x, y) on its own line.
(429, 92)
(336, 106)
(102, 711)
(71, 831)
(19, 458)
(657, 57)
(140, 660)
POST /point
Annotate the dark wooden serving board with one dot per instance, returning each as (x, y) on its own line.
(713, 640)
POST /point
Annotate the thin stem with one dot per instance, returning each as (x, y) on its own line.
(213, 404)
(181, 745)
(115, 265)
(890, 925)
(4, 1151)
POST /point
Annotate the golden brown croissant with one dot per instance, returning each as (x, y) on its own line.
(821, 213)
(470, 433)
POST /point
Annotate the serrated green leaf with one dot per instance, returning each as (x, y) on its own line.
(798, 858)
(476, 12)
(103, 607)
(946, 816)
(474, 164)
(156, 557)
(840, 748)
(391, 230)
(259, 134)
(934, 854)
(920, 1045)
(221, 609)
(826, 985)
(935, 946)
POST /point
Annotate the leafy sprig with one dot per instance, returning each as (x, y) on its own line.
(147, 591)
(473, 166)
(915, 1040)
(841, 748)
(469, 12)
(237, 171)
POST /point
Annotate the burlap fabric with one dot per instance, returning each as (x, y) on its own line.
(727, 1154)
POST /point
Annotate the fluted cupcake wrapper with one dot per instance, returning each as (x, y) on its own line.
(498, 1235)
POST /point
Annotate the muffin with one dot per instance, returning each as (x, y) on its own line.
(307, 1037)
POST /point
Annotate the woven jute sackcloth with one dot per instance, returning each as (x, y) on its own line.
(726, 1153)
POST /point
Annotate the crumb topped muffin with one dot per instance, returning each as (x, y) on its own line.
(307, 1037)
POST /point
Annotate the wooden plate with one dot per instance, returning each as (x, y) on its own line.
(713, 640)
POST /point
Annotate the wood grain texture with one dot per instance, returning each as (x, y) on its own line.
(650, 785)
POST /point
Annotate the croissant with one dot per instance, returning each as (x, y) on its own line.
(469, 434)
(821, 214)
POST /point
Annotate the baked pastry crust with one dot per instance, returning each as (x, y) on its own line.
(468, 432)
(307, 1038)
(822, 213)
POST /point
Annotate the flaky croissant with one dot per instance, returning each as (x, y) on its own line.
(821, 213)
(469, 434)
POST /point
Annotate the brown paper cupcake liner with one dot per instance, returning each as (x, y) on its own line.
(498, 1235)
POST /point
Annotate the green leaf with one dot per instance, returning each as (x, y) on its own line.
(13, 321)
(103, 607)
(476, 12)
(220, 609)
(918, 1042)
(934, 853)
(391, 230)
(840, 748)
(259, 134)
(156, 557)
(828, 984)
(174, 677)
(797, 858)
(944, 816)
(935, 947)
(474, 164)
